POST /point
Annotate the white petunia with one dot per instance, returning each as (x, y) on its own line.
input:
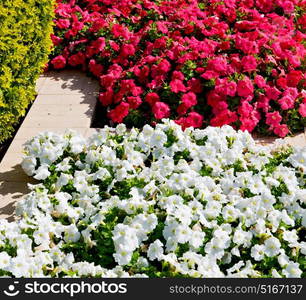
(272, 246)
(155, 250)
(42, 172)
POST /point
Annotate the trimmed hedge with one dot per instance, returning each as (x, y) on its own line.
(24, 47)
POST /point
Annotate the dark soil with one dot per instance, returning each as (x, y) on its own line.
(100, 119)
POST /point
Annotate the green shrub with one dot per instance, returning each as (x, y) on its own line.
(25, 28)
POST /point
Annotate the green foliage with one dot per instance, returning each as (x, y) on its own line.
(24, 47)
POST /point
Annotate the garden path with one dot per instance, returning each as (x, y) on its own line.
(65, 99)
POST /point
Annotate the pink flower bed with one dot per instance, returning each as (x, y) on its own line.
(237, 62)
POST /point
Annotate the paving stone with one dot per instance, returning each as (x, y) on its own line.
(68, 82)
(57, 122)
(14, 173)
(15, 147)
(82, 99)
(69, 111)
(296, 140)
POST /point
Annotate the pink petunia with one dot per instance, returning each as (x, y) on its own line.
(152, 98)
(59, 62)
(281, 130)
(249, 63)
(189, 99)
(177, 86)
(302, 110)
(273, 118)
(161, 110)
(245, 87)
(119, 112)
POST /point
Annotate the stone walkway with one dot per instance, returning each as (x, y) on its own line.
(65, 99)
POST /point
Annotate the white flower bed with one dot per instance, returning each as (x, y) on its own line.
(160, 203)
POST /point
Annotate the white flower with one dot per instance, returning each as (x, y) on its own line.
(123, 257)
(258, 252)
(77, 144)
(155, 250)
(292, 270)
(158, 139)
(42, 172)
(171, 244)
(197, 238)
(72, 233)
(298, 159)
(242, 237)
(41, 237)
(5, 260)
(272, 246)
(182, 233)
(142, 262)
(291, 237)
(28, 164)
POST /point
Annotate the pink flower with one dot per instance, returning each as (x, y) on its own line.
(281, 130)
(177, 85)
(99, 44)
(95, 68)
(288, 7)
(248, 124)
(119, 112)
(245, 109)
(59, 62)
(302, 110)
(249, 63)
(107, 81)
(260, 81)
(152, 98)
(272, 93)
(245, 87)
(194, 120)
(178, 75)
(106, 98)
(76, 59)
(134, 101)
(56, 40)
(162, 27)
(194, 85)
(164, 66)
(114, 45)
(63, 23)
(127, 50)
(209, 75)
(225, 87)
(225, 117)
(294, 77)
(273, 118)
(286, 102)
(189, 99)
(218, 64)
(120, 31)
(161, 110)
